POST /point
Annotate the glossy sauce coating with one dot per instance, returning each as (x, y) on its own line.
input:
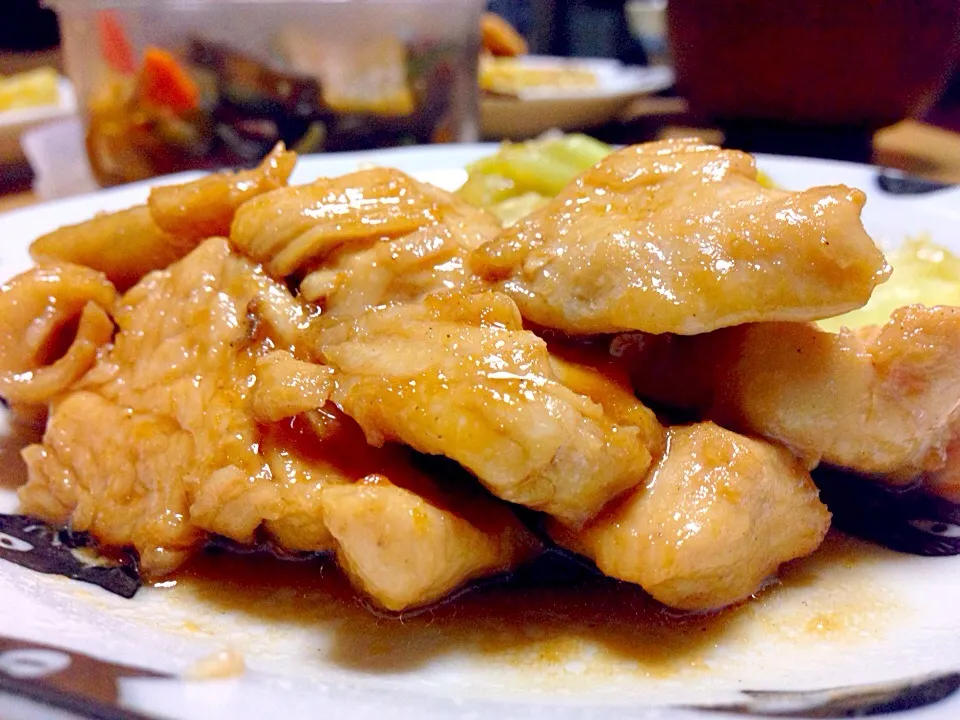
(689, 534)
(543, 620)
(680, 237)
(459, 377)
(290, 228)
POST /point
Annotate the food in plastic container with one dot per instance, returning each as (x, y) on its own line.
(179, 84)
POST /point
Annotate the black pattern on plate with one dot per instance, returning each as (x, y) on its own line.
(847, 702)
(896, 182)
(30, 543)
(62, 678)
(907, 519)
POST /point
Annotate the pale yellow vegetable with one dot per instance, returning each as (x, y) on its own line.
(29, 89)
(521, 177)
(923, 273)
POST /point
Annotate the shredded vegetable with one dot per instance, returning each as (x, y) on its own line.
(923, 274)
(520, 177)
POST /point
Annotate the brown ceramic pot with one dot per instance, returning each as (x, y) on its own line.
(848, 63)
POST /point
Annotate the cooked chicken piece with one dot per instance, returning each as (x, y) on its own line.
(52, 321)
(303, 462)
(591, 371)
(279, 315)
(127, 244)
(180, 449)
(204, 207)
(716, 516)
(404, 269)
(944, 481)
(309, 453)
(124, 245)
(175, 451)
(457, 375)
(287, 386)
(679, 237)
(41, 385)
(296, 227)
(879, 400)
(403, 538)
(121, 476)
(408, 541)
(37, 306)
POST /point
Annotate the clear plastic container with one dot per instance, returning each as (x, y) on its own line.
(169, 85)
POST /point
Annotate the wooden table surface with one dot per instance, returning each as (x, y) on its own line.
(911, 146)
(921, 149)
(12, 201)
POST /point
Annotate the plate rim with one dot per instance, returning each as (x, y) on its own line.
(448, 156)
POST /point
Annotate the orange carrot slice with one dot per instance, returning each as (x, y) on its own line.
(114, 46)
(165, 83)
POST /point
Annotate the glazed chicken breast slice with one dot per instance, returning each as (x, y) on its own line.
(881, 400)
(127, 244)
(403, 538)
(679, 237)
(408, 540)
(456, 375)
(716, 517)
(205, 207)
(399, 270)
(53, 321)
(298, 229)
(203, 427)
(174, 455)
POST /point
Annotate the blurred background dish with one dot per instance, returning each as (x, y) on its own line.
(168, 86)
(28, 100)
(32, 88)
(817, 77)
(538, 75)
(522, 97)
(795, 77)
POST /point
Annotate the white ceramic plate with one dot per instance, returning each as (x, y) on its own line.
(540, 109)
(849, 615)
(13, 123)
